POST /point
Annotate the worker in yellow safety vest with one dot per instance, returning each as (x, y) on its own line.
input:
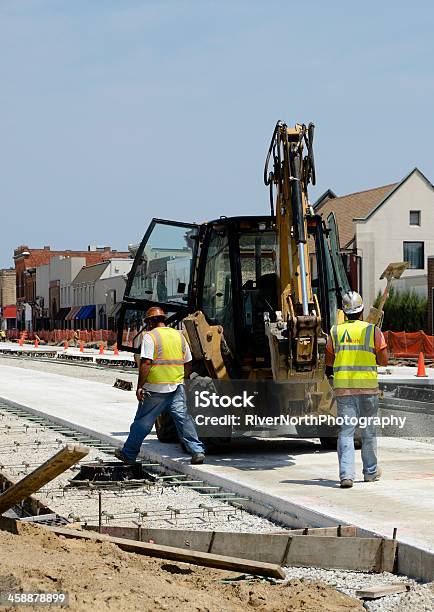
(354, 349)
(164, 363)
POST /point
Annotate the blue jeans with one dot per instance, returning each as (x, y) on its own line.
(357, 406)
(152, 406)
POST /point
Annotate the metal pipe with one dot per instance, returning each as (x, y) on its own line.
(301, 258)
(100, 512)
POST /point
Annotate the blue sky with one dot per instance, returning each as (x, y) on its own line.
(114, 112)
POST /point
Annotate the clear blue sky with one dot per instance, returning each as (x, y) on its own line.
(116, 111)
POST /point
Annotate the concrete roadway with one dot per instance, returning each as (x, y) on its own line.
(293, 476)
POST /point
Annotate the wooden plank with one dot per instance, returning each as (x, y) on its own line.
(56, 465)
(265, 547)
(388, 553)
(346, 531)
(178, 554)
(358, 554)
(381, 590)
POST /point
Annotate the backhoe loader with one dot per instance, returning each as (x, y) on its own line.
(254, 295)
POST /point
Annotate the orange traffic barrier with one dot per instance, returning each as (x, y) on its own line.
(115, 349)
(65, 345)
(101, 349)
(421, 372)
(36, 343)
(82, 347)
(21, 341)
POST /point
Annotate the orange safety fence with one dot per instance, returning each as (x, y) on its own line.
(409, 344)
(399, 344)
(57, 336)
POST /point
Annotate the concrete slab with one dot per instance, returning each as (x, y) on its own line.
(70, 352)
(405, 375)
(290, 477)
(13, 347)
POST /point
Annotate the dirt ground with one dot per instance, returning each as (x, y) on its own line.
(100, 576)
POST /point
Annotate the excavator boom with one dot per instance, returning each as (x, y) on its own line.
(293, 337)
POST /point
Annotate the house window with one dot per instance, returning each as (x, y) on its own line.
(414, 217)
(414, 254)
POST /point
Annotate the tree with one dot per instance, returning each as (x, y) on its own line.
(404, 311)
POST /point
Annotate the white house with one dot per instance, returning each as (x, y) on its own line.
(383, 225)
(53, 288)
(100, 287)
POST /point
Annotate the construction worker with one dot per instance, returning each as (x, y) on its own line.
(354, 349)
(164, 363)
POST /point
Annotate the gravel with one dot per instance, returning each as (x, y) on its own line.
(154, 499)
(420, 598)
(18, 448)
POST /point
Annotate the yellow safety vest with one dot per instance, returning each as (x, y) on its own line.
(355, 365)
(169, 354)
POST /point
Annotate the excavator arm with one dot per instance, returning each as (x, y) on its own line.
(293, 336)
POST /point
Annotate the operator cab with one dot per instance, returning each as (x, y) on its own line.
(227, 269)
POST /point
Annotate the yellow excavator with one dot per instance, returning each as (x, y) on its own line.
(254, 295)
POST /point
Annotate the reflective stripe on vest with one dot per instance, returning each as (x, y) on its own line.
(355, 365)
(169, 354)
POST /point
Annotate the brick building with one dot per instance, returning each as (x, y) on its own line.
(27, 260)
(7, 299)
(7, 287)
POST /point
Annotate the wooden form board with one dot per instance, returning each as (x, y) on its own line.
(224, 562)
(321, 548)
(56, 465)
(266, 547)
(355, 554)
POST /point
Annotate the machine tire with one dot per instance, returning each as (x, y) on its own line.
(332, 443)
(329, 443)
(166, 430)
(215, 446)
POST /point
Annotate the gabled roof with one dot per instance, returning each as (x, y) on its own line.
(398, 185)
(327, 195)
(358, 206)
(347, 207)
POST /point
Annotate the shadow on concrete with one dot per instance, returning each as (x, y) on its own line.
(263, 446)
(119, 433)
(315, 482)
(247, 464)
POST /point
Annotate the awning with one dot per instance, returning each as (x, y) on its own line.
(9, 312)
(86, 312)
(61, 314)
(71, 314)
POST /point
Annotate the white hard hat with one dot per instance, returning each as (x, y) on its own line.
(352, 302)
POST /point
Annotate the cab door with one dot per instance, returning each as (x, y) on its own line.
(160, 276)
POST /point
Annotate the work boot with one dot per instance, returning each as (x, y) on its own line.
(374, 477)
(197, 459)
(346, 483)
(122, 457)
